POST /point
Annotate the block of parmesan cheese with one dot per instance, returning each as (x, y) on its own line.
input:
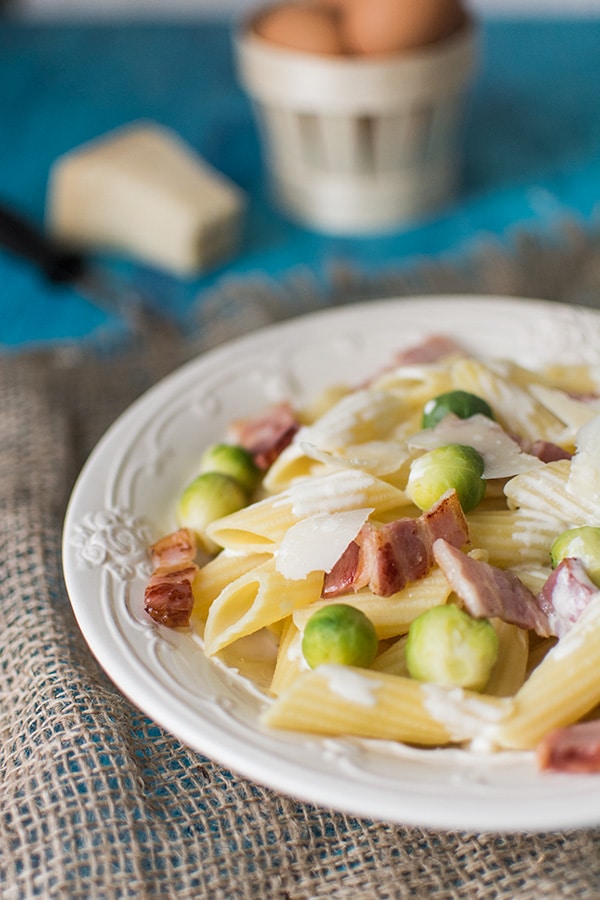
(143, 192)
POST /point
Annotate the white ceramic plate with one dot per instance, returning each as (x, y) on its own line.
(125, 496)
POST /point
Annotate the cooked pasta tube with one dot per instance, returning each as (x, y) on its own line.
(582, 378)
(257, 528)
(538, 650)
(262, 525)
(359, 417)
(525, 378)
(391, 615)
(393, 659)
(545, 492)
(255, 600)
(513, 536)
(341, 700)
(416, 385)
(516, 408)
(533, 575)
(573, 412)
(510, 669)
(290, 662)
(322, 403)
(217, 574)
(389, 460)
(563, 687)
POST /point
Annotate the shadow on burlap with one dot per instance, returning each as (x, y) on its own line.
(99, 802)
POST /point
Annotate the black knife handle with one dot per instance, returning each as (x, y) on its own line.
(24, 239)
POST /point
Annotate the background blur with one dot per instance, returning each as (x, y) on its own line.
(71, 70)
(168, 8)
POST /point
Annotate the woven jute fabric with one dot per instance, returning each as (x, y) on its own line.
(96, 800)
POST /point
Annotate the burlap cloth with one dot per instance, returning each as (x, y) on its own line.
(99, 802)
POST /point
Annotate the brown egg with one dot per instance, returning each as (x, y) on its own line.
(309, 27)
(389, 26)
(340, 5)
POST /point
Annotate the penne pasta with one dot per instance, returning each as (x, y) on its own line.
(359, 417)
(581, 378)
(393, 659)
(261, 526)
(392, 615)
(514, 537)
(290, 662)
(322, 403)
(338, 700)
(545, 494)
(415, 385)
(213, 577)
(510, 671)
(573, 412)
(515, 406)
(255, 600)
(494, 529)
(563, 687)
(538, 650)
(253, 657)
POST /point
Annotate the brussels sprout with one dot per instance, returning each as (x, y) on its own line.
(461, 403)
(339, 633)
(229, 459)
(447, 646)
(209, 496)
(437, 471)
(582, 543)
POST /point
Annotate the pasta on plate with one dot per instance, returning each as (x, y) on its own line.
(335, 519)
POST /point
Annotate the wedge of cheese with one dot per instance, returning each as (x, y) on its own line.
(143, 192)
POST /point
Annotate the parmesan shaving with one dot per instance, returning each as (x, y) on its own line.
(315, 544)
(377, 457)
(501, 455)
(584, 475)
(574, 413)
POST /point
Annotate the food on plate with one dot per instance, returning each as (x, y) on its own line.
(209, 496)
(227, 478)
(574, 749)
(339, 634)
(447, 646)
(387, 556)
(582, 543)
(496, 580)
(460, 403)
(168, 597)
(451, 467)
(142, 191)
(232, 460)
(488, 590)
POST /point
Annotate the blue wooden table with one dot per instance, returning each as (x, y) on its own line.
(532, 148)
